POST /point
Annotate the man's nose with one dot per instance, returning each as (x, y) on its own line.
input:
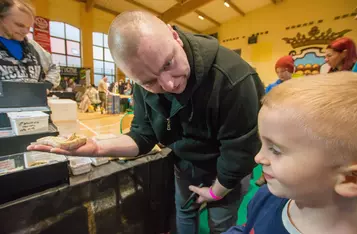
(167, 82)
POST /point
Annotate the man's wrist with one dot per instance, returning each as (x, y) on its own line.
(219, 190)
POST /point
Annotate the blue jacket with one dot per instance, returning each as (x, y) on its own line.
(264, 215)
(276, 83)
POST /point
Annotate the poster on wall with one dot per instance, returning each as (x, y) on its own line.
(79, 75)
(41, 32)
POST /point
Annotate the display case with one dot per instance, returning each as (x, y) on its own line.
(23, 173)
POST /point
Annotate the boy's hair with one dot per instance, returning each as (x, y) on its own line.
(324, 105)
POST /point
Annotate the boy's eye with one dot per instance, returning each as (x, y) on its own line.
(275, 150)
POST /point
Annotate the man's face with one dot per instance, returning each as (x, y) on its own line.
(295, 166)
(161, 65)
(17, 24)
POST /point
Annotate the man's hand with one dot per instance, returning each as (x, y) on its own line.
(203, 193)
(90, 149)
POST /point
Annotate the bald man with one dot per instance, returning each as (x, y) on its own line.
(197, 97)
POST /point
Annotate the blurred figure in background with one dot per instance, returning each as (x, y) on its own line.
(90, 97)
(341, 55)
(103, 90)
(284, 68)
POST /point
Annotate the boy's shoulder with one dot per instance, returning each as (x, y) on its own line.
(264, 214)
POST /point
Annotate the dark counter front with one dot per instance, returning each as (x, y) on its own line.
(135, 197)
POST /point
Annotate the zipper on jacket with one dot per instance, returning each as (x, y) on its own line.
(168, 126)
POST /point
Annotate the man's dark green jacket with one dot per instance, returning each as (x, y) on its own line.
(213, 123)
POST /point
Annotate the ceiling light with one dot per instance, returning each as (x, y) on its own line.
(226, 4)
(201, 17)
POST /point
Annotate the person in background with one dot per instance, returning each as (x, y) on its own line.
(284, 68)
(71, 85)
(21, 59)
(121, 87)
(128, 88)
(341, 55)
(90, 97)
(309, 135)
(113, 88)
(103, 90)
(198, 98)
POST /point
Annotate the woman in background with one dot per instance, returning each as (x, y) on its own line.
(23, 60)
(341, 55)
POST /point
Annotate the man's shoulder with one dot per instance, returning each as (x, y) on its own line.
(232, 65)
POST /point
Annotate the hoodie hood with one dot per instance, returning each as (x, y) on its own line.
(201, 51)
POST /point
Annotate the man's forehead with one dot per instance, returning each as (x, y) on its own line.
(152, 55)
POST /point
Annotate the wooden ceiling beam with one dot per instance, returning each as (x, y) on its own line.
(142, 6)
(158, 13)
(234, 7)
(208, 18)
(181, 9)
(90, 4)
(99, 7)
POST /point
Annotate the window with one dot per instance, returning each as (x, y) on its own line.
(103, 61)
(65, 44)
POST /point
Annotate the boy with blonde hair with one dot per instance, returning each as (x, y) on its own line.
(308, 128)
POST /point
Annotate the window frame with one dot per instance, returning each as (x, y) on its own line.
(65, 46)
(103, 61)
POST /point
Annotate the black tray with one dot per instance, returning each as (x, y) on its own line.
(28, 181)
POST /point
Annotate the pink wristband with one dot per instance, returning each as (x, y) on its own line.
(217, 198)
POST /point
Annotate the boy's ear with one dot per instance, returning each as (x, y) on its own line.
(346, 185)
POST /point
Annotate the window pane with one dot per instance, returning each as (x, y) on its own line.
(57, 29)
(108, 56)
(57, 45)
(72, 33)
(59, 59)
(73, 48)
(73, 61)
(98, 52)
(97, 78)
(30, 36)
(98, 39)
(109, 68)
(106, 41)
(98, 67)
(110, 79)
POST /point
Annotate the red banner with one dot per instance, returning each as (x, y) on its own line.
(41, 32)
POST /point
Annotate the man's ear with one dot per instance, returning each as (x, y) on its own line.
(175, 35)
(346, 184)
